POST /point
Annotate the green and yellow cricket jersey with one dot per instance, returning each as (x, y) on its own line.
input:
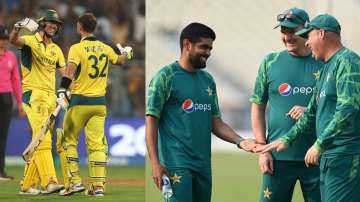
(335, 107)
(185, 103)
(92, 58)
(284, 81)
(39, 63)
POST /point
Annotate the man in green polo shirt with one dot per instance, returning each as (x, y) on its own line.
(334, 111)
(285, 82)
(182, 111)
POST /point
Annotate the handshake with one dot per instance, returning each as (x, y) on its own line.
(250, 145)
(28, 24)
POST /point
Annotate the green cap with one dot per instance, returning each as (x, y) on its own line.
(323, 21)
(292, 18)
(50, 15)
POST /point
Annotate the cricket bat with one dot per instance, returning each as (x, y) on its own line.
(31, 148)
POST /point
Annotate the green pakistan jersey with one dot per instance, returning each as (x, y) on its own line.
(335, 107)
(283, 81)
(185, 103)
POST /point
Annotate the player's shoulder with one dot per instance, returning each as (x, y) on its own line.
(270, 58)
(76, 45)
(167, 70)
(274, 55)
(31, 38)
(206, 74)
(349, 59)
(349, 55)
(107, 46)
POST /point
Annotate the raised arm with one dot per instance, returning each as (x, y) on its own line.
(15, 39)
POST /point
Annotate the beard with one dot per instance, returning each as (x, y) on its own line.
(50, 36)
(197, 62)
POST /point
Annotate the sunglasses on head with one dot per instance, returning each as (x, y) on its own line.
(290, 17)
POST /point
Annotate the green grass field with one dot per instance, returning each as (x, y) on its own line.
(236, 177)
(124, 184)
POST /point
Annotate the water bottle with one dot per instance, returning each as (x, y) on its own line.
(166, 187)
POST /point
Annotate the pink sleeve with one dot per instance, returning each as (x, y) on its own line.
(15, 80)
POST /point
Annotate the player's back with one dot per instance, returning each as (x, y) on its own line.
(92, 58)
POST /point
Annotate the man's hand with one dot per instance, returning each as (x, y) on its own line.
(247, 145)
(296, 112)
(277, 145)
(312, 156)
(157, 172)
(26, 23)
(127, 51)
(63, 98)
(266, 163)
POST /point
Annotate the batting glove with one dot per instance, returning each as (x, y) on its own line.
(28, 24)
(63, 98)
(127, 51)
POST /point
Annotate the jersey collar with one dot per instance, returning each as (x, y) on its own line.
(40, 39)
(89, 38)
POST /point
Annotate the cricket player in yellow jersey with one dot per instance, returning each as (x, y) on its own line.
(87, 68)
(40, 58)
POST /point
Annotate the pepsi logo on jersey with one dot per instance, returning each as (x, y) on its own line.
(189, 106)
(286, 89)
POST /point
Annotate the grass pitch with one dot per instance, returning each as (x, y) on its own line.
(124, 184)
(236, 177)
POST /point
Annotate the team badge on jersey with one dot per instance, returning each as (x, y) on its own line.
(209, 91)
(317, 75)
(188, 106)
(284, 89)
(267, 193)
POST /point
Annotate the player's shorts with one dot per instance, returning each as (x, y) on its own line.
(279, 187)
(190, 186)
(340, 178)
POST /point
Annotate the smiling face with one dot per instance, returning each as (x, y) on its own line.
(51, 28)
(315, 43)
(199, 52)
(293, 43)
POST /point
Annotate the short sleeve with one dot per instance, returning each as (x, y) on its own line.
(61, 59)
(28, 40)
(74, 55)
(158, 93)
(113, 57)
(260, 93)
(215, 111)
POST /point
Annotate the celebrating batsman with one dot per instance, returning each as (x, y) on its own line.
(40, 58)
(87, 70)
